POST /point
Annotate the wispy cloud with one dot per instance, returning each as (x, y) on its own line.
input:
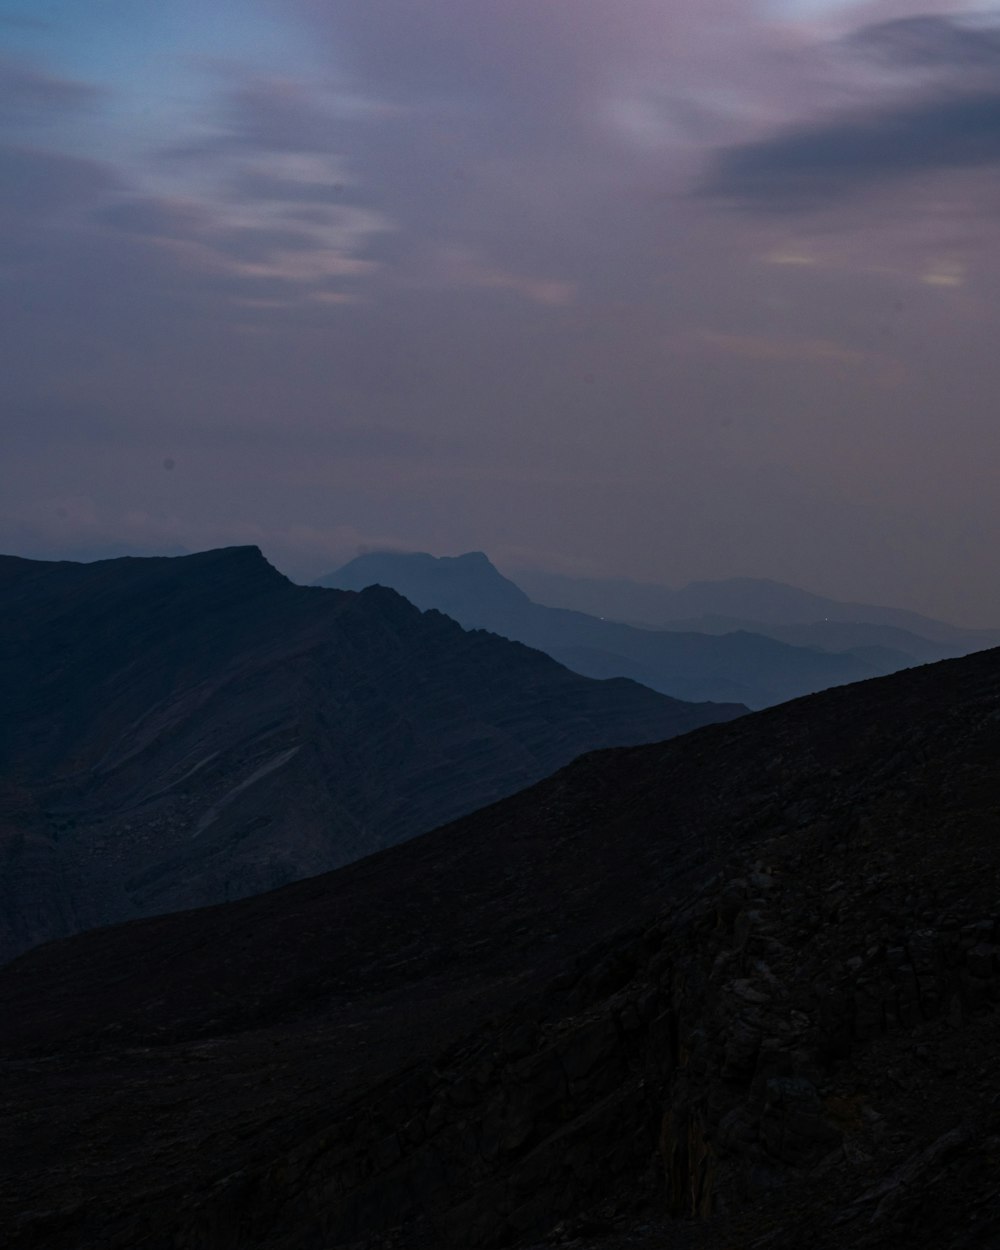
(29, 95)
(36, 184)
(807, 167)
(774, 349)
(930, 41)
(936, 109)
(498, 272)
(256, 208)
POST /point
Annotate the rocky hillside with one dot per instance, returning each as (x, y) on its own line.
(738, 989)
(178, 732)
(737, 665)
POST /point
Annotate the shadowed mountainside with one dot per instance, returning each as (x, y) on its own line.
(747, 667)
(736, 989)
(178, 732)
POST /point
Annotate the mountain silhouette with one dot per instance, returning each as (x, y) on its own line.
(742, 666)
(181, 731)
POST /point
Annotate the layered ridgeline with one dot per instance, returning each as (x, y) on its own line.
(741, 665)
(178, 732)
(737, 989)
(764, 607)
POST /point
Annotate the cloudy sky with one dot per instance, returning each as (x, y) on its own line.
(664, 289)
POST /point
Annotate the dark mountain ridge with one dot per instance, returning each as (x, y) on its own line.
(740, 988)
(748, 667)
(195, 729)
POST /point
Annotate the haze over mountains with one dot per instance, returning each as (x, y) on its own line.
(738, 989)
(456, 905)
(745, 602)
(184, 731)
(749, 664)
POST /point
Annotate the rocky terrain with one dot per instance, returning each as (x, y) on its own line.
(737, 989)
(178, 732)
(730, 664)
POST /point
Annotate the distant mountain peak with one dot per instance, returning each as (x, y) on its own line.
(451, 584)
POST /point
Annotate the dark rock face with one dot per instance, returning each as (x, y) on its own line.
(193, 730)
(36, 901)
(741, 665)
(736, 989)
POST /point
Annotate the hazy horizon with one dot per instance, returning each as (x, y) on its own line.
(306, 571)
(663, 291)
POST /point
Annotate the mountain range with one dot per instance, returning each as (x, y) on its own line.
(736, 989)
(759, 604)
(183, 731)
(739, 665)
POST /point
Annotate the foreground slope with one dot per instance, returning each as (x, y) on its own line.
(178, 732)
(748, 667)
(736, 989)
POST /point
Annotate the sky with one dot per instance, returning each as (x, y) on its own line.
(661, 289)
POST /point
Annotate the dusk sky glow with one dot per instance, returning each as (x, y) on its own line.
(666, 289)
